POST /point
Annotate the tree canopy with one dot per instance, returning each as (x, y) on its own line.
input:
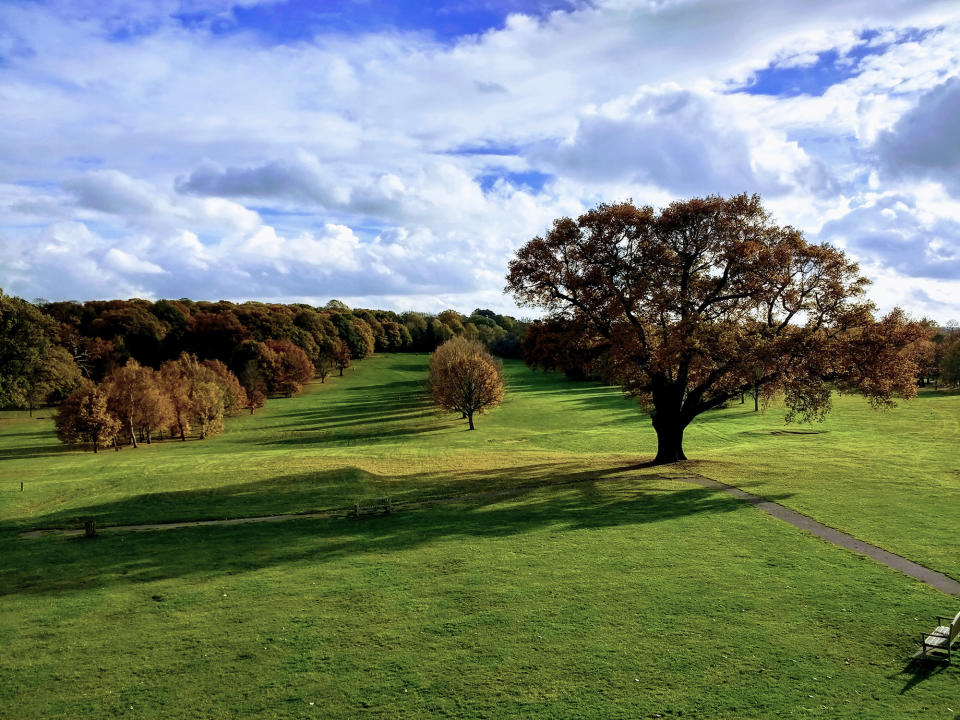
(706, 299)
(465, 378)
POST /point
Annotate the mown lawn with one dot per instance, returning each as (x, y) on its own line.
(601, 589)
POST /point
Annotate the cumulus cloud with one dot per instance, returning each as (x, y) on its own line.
(217, 164)
(684, 142)
(895, 232)
(925, 142)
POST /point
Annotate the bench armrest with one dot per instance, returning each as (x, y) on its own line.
(941, 618)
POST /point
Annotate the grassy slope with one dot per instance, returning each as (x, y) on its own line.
(625, 594)
(889, 477)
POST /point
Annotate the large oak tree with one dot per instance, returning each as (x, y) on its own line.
(707, 299)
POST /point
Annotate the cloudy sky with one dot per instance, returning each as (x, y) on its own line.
(395, 153)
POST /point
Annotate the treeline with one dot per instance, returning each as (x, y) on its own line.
(560, 345)
(185, 396)
(47, 348)
(941, 357)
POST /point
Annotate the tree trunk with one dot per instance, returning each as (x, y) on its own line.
(756, 401)
(341, 372)
(183, 436)
(133, 435)
(669, 441)
(94, 444)
(470, 420)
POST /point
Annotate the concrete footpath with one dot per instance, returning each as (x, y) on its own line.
(942, 582)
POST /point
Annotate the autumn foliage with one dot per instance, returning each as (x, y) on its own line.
(707, 299)
(465, 378)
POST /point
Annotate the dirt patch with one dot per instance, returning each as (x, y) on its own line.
(797, 432)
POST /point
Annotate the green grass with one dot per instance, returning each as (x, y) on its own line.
(601, 589)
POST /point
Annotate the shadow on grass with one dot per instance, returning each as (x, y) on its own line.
(917, 670)
(322, 490)
(57, 565)
(33, 451)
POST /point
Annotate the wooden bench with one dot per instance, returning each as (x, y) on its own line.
(371, 506)
(941, 639)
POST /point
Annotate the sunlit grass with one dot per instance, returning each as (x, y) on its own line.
(598, 588)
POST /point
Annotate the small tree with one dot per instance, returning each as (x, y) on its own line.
(342, 356)
(83, 417)
(174, 383)
(127, 391)
(465, 378)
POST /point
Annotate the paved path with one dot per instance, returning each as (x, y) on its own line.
(935, 579)
(942, 582)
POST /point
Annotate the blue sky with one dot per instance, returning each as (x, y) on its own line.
(301, 20)
(396, 154)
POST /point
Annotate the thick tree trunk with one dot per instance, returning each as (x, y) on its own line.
(669, 441)
(341, 372)
(183, 436)
(756, 401)
(470, 420)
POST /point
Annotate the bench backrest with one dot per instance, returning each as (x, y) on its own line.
(955, 626)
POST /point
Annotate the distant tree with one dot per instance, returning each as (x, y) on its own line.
(465, 378)
(204, 391)
(84, 417)
(26, 336)
(688, 301)
(214, 335)
(398, 336)
(326, 360)
(289, 369)
(453, 320)
(175, 384)
(234, 396)
(134, 325)
(127, 390)
(55, 377)
(950, 364)
(342, 355)
(563, 344)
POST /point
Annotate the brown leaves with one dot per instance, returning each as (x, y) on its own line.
(709, 298)
(465, 378)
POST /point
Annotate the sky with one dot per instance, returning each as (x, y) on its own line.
(396, 154)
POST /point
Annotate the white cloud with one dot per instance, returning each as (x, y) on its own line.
(182, 162)
(925, 142)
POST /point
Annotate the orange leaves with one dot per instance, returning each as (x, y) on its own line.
(707, 299)
(465, 378)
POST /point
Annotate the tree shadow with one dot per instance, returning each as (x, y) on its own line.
(317, 491)
(919, 670)
(34, 451)
(56, 564)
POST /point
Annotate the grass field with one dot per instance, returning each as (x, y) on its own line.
(600, 589)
